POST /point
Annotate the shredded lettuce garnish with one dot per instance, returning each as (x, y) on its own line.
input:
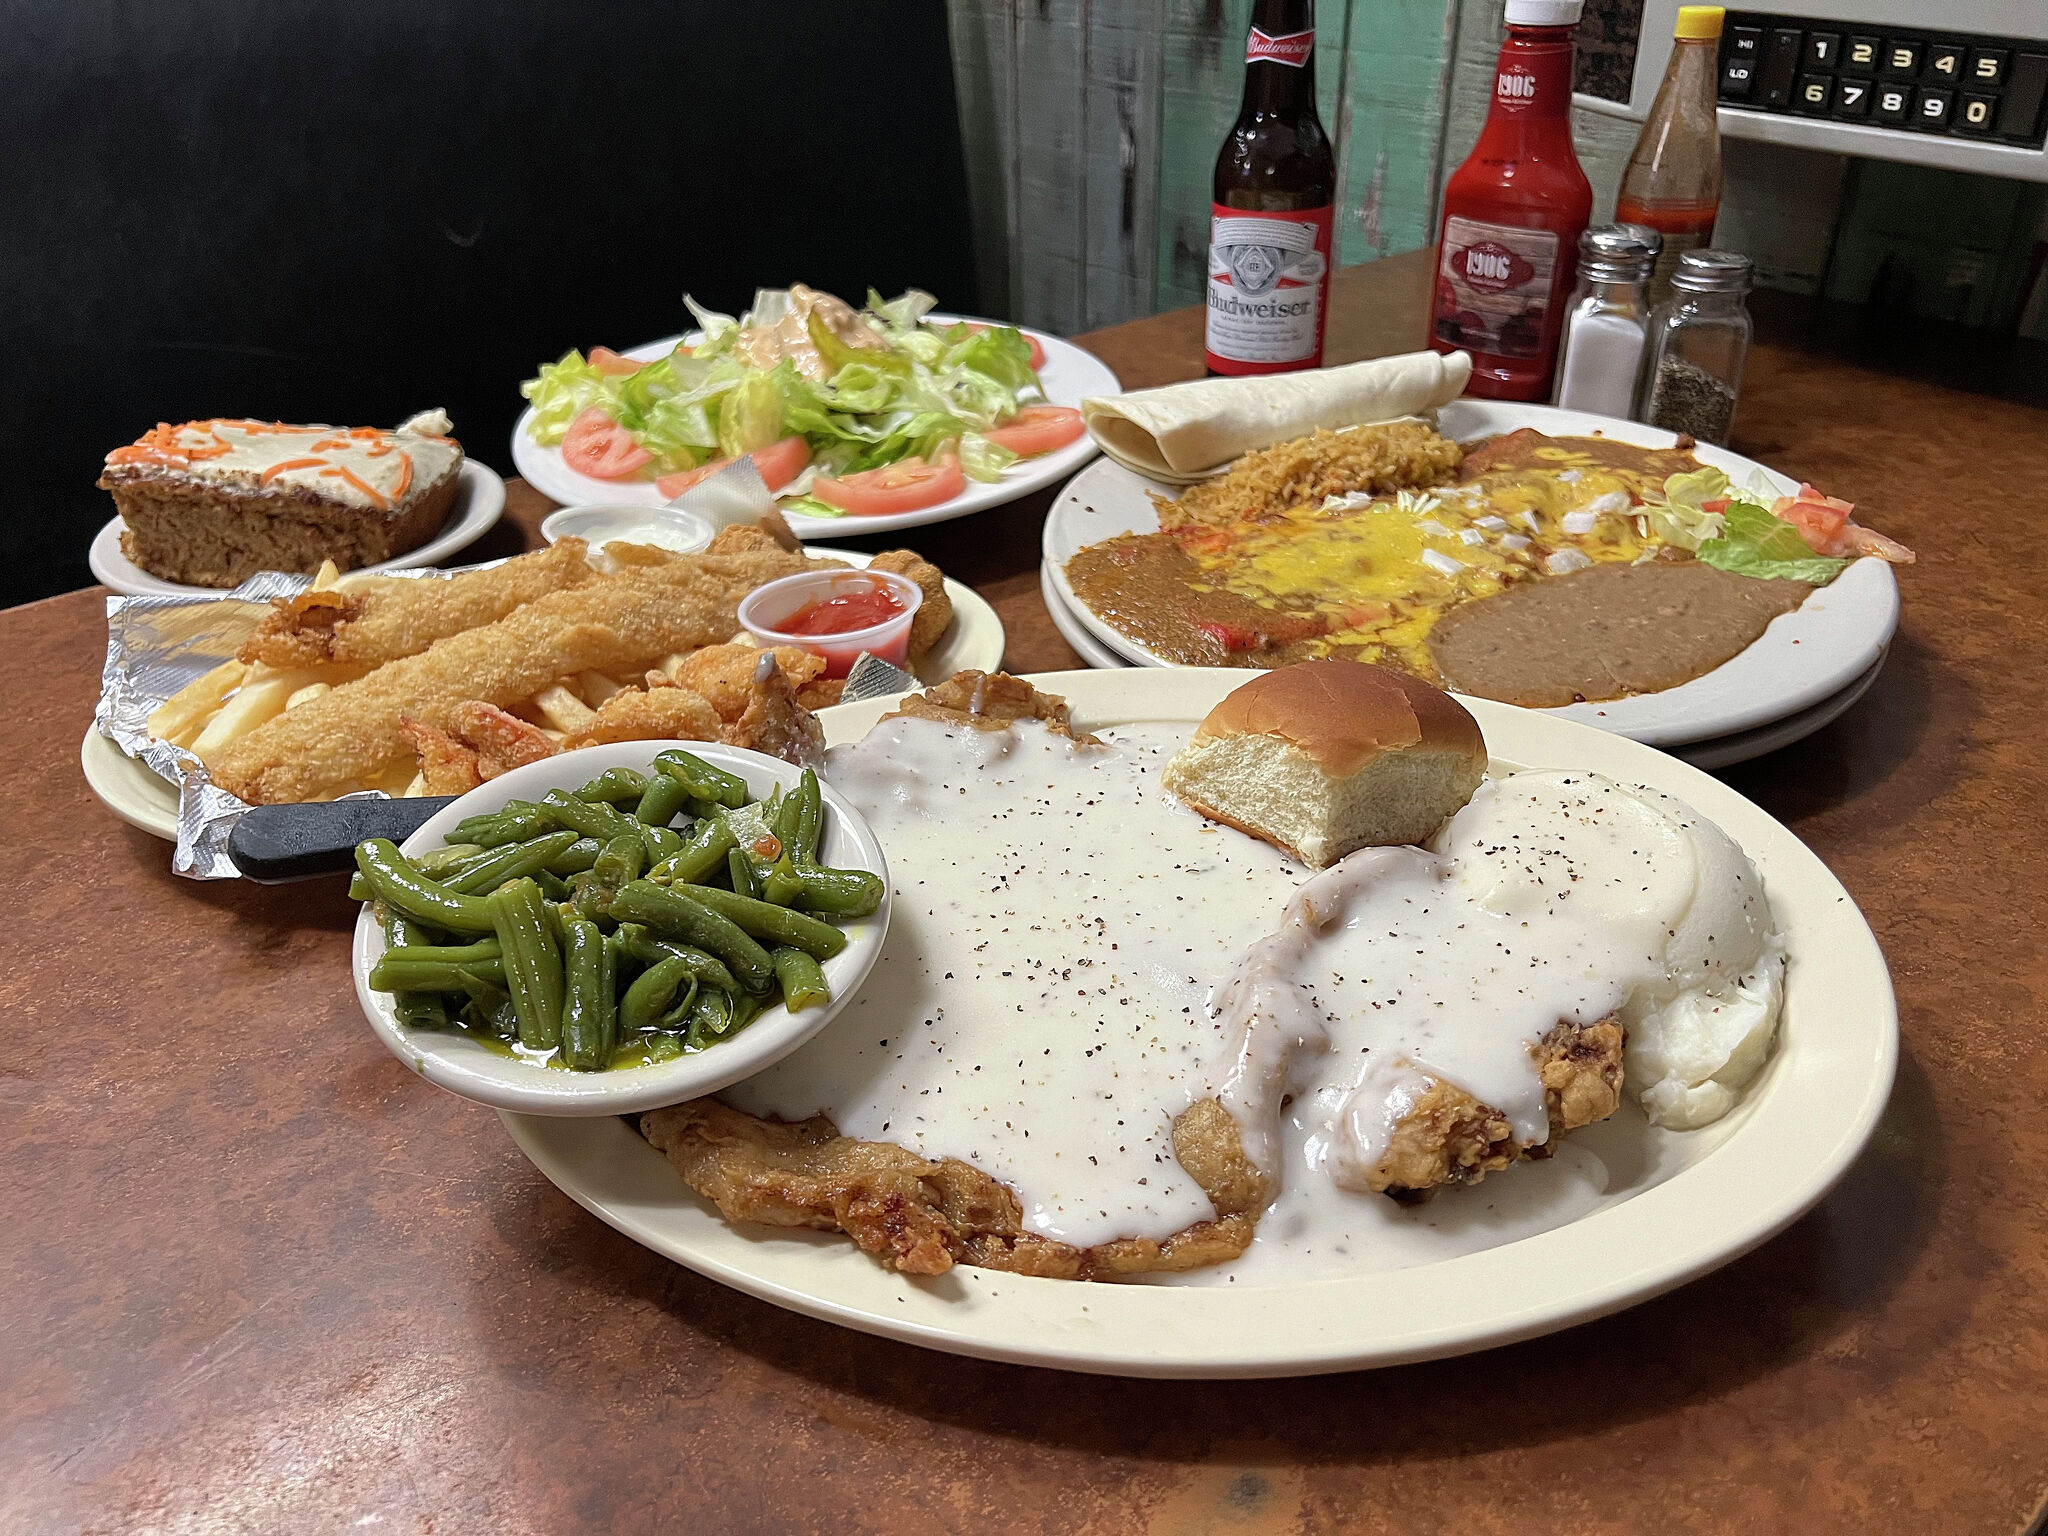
(929, 388)
(1744, 538)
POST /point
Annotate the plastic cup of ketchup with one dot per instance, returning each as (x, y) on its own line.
(836, 615)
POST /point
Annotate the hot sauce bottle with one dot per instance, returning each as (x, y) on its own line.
(1673, 180)
(1269, 221)
(1513, 212)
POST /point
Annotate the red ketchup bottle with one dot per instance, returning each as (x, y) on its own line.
(1508, 252)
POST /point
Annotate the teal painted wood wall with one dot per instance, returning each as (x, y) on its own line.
(1092, 126)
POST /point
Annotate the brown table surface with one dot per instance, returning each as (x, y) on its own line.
(259, 1277)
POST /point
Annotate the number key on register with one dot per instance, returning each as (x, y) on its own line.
(1932, 108)
(1814, 91)
(1852, 98)
(1945, 63)
(1894, 103)
(1823, 50)
(1976, 113)
(1860, 56)
(1902, 58)
(1987, 67)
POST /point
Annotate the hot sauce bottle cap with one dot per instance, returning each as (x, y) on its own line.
(1544, 13)
(1699, 21)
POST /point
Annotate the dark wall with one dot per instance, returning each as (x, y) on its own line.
(347, 210)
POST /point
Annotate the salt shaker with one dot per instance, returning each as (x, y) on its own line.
(1600, 347)
(1699, 340)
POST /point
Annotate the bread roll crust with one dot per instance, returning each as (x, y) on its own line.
(1345, 713)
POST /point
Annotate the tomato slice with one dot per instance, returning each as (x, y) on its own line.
(599, 447)
(906, 486)
(1037, 351)
(1038, 429)
(1817, 522)
(605, 360)
(779, 463)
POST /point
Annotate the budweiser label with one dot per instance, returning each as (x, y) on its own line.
(1269, 283)
(1292, 48)
(1493, 287)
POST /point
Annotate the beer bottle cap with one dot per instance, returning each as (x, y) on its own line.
(1699, 21)
(1544, 13)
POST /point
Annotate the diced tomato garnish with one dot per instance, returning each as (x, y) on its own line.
(910, 485)
(605, 360)
(1718, 504)
(1278, 630)
(599, 447)
(1038, 429)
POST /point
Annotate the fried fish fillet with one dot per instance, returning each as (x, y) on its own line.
(923, 1216)
(1450, 1137)
(352, 734)
(403, 618)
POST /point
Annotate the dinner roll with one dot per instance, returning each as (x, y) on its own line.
(1324, 757)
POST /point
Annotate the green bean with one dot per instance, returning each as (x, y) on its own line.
(510, 862)
(591, 900)
(674, 915)
(419, 1010)
(703, 852)
(615, 785)
(532, 960)
(446, 860)
(359, 888)
(840, 892)
(624, 857)
(513, 822)
(665, 798)
(577, 857)
(784, 882)
(589, 818)
(711, 1017)
(742, 874)
(446, 954)
(648, 998)
(397, 971)
(803, 981)
(661, 843)
(494, 1015)
(665, 1046)
(702, 780)
(643, 946)
(810, 820)
(409, 893)
(551, 886)
(764, 920)
(589, 1018)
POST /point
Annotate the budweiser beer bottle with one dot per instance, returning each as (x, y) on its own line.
(1275, 187)
(1513, 213)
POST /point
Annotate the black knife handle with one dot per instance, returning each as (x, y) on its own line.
(275, 843)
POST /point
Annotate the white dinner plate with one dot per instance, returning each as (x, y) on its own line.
(132, 791)
(479, 503)
(1673, 1210)
(1068, 374)
(1716, 752)
(1804, 657)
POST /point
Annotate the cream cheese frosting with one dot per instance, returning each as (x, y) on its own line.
(366, 467)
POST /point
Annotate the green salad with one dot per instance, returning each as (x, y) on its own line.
(843, 411)
(1754, 531)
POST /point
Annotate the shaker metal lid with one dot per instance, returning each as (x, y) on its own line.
(1619, 251)
(1713, 272)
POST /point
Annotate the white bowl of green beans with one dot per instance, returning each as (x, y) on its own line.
(618, 928)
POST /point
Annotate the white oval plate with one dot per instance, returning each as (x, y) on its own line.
(1715, 752)
(479, 503)
(1068, 374)
(1721, 1191)
(1805, 656)
(132, 791)
(465, 1066)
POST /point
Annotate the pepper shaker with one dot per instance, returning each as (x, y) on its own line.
(1600, 351)
(1699, 340)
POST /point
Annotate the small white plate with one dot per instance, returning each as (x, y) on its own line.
(1704, 1198)
(1069, 373)
(479, 503)
(1803, 658)
(974, 641)
(465, 1066)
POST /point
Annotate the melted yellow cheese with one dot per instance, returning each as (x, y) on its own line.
(1385, 569)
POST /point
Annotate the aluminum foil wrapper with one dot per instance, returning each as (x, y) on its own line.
(155, 646)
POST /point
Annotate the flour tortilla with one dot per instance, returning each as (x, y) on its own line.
(1182, 433)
